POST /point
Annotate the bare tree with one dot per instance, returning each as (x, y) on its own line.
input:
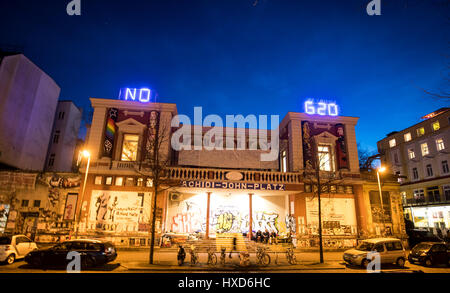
(365, 157)
(155, 165)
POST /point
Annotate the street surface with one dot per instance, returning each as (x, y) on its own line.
(127, 260)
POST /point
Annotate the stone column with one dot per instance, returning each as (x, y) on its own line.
(250, 217)
(208, 201)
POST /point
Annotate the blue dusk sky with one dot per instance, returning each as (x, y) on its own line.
(244, 56)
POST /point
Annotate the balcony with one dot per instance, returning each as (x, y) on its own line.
(426, 201)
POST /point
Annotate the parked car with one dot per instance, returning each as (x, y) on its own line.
(92, 252)
(430, 253)
(391, 251)
(15, 247)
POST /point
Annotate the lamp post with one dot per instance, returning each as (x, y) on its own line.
(381, 170)
(87, 155)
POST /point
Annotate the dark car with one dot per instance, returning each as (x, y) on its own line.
(92, 253)
(430, 253)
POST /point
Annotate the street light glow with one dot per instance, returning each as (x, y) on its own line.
(381, 169)
(86, 154)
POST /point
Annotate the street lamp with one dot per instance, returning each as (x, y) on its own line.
(381, 170)
(87, 155)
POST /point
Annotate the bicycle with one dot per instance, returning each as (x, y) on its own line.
(194, 256)
(291, 256)
(262, 256)
(244, 259)
(212, 258)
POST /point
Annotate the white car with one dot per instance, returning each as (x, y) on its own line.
(390, 250)
(15, 247)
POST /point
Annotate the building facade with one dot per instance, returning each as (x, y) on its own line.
(28, 99)
(421, 155)
(64, 139)
(213, 190)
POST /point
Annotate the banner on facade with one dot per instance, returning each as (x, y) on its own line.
(110, 131)
(4, 210)
(233, 185)
(70, 208)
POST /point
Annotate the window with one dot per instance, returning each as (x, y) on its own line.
(283, 162)
(440, 144)
(433, 194)
(130, 147)
(341, 189)
(149, 182)
(324, 154)
(445, 169)
(424, 148)
(61, 115)
(419, 196)
(129, 181)
(446, 189)
(51, 160)
(435, 126)
(25, 203)
(349, 189)
(415, 174)
(308, 188)
(119, 181)
(98, 180)
(429, 170)
(411, 154)
(37, 203)
(392, 143)
(420, 131)
(379, 247)
(377, 210)
(407, 136)
(56, 136)
(140, 182)
(395, 158)
(108, 180)
(391, 246)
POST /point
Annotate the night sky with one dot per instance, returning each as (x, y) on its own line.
(244, 57)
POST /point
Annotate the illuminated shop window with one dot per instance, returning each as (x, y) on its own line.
(392, 143)
(424, 148)
(149, 182)
(440, 144)
(108, 180)
(98, 180)
(411, 154)
(129, 181)
(324, 154)
(407, 136)
(130, 147)
(420, 131)
(140, 182)
(436, 126)
(119, 181)
(333, 189)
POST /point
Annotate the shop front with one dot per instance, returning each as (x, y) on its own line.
(430, 216)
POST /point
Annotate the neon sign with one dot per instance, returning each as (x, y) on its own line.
(142, 95)
(321, 108)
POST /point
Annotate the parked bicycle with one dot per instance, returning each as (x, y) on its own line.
(194, 255)
(223, 256)
(262, 256)
(291, 256)
(244, 259)
(212, 258)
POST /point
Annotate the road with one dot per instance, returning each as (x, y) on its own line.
(125, 258)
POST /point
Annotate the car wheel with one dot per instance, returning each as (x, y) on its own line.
(10, 259)
(365, 263)
(428, 262)
(401, 262)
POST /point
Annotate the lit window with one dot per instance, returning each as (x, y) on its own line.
(411, 154)
(407, 136)
(98, 180)
(130, 147)
(436, 126)
(424, 148)
(420, 131)
(140, 182)
(283, 162)
(324, 158)
(108, 180)
(149, 182)
(119, 181)
(440, 144)
(392, 143)
(129, 181)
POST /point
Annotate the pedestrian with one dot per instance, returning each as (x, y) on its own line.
(266, 236)
(259, 236)
(234, 246)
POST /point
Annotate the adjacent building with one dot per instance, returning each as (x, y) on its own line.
(64, 139)
(28, 99)
(421, 155)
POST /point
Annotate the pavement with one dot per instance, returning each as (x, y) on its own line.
(136, 261)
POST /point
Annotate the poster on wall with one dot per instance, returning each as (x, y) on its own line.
(70, 207)
(117, 211)
(4, 210)
(338, 216)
